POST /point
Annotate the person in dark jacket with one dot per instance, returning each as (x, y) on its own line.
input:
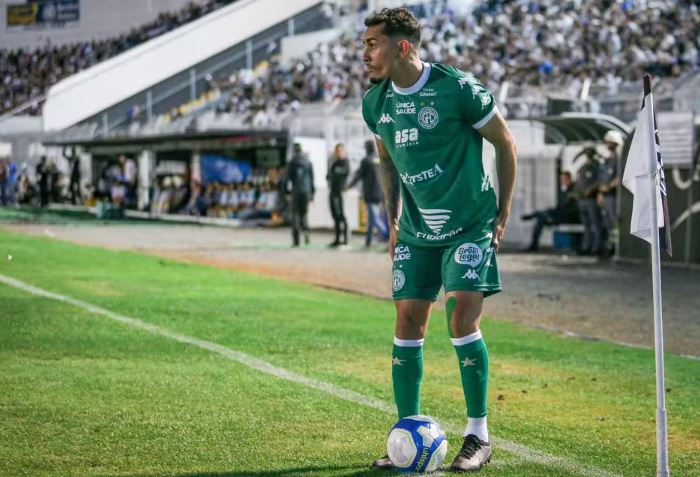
(76, 197)
(566, 211)
(372, 193)
(337, 177)
(43, 175)
(298, 180)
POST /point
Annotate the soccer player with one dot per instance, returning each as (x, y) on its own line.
(429, 121)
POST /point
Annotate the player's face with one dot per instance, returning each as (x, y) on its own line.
(380, 53)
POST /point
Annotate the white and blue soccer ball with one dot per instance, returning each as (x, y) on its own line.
(416, 444)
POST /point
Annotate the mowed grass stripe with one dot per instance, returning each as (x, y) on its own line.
(588, 402)
(82, 395)
(256, 364)
(94, 397)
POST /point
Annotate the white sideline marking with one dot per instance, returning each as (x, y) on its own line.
(522, 451)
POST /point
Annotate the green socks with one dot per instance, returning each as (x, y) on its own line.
(474, 368)
(407, 374)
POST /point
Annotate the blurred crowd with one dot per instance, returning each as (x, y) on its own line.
(26, 74)
(526, 42)
(18, 186)
(241, 201)
(557, 45)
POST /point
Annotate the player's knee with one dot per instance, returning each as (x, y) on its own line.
(411, 323)
(463, 314)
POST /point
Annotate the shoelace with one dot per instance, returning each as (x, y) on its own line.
(470, 446)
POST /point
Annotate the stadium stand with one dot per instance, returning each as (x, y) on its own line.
(26, 74)
(539, 48)
(557, 45)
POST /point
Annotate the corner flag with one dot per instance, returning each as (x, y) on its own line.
(644, 177)
(643, 160)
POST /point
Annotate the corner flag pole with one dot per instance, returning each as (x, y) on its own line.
(661, 428)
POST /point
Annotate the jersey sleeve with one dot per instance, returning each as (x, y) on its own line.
(367, 115)
(476, 104)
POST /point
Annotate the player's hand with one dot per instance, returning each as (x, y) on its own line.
(499, 229)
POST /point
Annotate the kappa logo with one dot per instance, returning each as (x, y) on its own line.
(399, 280)
(485, 101)
(475, 91)
(485, 183)
(435, 219)
(470, 80)
(469, 254)
(428, 117)
(471, 274)
(385, 118)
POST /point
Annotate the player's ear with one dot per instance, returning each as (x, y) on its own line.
(404, 47)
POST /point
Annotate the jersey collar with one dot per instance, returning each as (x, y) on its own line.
(418, 84)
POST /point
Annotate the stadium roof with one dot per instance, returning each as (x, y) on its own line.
(576, 128)
(217, 139)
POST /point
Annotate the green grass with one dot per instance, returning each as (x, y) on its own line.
(83, 395)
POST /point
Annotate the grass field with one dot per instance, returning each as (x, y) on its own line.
(84, 394)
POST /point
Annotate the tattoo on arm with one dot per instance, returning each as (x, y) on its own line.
(390, 184)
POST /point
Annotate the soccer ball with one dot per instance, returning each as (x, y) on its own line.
(416, 444)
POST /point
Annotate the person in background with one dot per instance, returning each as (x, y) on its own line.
(337, 177)
(246, 196)
(73, 159)
(12, 176)
(4, 181)
(298, 180)
(586, 189)
(129, 175)
(566, 211)
(372, 193)
(43, 176)
(609, 184)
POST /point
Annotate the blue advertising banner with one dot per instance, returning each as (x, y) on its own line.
(43, 13)
(215, 168)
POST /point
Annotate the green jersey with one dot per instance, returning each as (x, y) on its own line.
(430, 131)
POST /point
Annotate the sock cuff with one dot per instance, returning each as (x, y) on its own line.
(476, 336)
(408, 343)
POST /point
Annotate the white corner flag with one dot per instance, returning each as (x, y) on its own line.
(643, 163)
(644, 177)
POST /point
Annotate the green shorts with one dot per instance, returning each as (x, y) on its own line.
(419, 272)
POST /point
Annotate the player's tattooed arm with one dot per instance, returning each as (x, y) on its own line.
(497, 133)
(390, 183)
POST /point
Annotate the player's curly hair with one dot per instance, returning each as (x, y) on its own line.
(396, 22)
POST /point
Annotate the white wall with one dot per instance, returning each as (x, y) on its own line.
(99, 19)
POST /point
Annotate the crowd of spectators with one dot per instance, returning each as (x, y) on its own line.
(328, 73)
(26, 74)
(526, 42)
(250, 199)
(556, 45)
(19, 187)
(559, 43)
